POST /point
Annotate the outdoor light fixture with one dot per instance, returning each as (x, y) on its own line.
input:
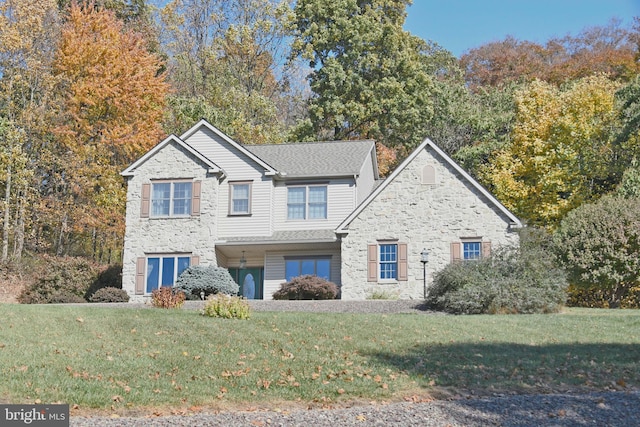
(424, 259)
(243, 261)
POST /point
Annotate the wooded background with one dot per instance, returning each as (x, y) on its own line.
(87, 88)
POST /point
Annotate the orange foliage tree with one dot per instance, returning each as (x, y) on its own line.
(112, 100)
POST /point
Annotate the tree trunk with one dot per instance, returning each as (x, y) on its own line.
(18, 238)
(7, 216)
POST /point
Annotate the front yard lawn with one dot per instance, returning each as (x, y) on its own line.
(126, 360)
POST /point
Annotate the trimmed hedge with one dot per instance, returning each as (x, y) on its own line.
(109, 294)
(306, 288)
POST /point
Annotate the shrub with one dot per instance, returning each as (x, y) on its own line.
(167, 297)
(109, 277)
(226, 307)
(65, 280)
(599, 246)
(306, 288)
(208, 279)
(512, 280)
(109, 294)
(383, 295)
(597, 297)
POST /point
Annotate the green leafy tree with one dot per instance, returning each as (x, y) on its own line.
(370, 78)
(599, 246)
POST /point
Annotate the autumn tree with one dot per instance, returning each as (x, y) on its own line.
(28, 35)
(610, 49)
(369, 78)
(110, 114)
(561, 152)
(226, 59)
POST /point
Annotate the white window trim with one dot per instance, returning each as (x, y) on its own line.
(387, 279)
(172, 183)
(231, 199)
(307, 203)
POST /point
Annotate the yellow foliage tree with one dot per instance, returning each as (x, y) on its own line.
(561, 150)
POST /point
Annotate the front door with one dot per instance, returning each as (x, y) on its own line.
(250, 281)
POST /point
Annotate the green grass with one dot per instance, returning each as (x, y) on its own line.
(140, 359)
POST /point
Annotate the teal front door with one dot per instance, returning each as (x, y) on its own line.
(250, 281)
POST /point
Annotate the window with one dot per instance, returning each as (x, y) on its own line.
(240, 194)
(307, 202)
(301, 266)
(389, 261)
(386, 261)
(471, 250)
(164, 270)
(171, 199)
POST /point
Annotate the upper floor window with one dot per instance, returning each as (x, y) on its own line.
(240, 194)
(171, 198)
(307, 202)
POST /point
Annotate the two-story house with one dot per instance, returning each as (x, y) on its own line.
(272, 212)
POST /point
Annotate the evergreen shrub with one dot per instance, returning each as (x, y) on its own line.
(208, 279)
(306, 288)
(599, 246)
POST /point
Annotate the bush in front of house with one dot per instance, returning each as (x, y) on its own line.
(208, 279)
(109, 277)
(167, 297)
(109, 294)
(511, 280)
(65, 280)
(226, 307)
(306, 288)
(599, 246)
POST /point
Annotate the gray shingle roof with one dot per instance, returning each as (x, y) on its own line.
(314, 159)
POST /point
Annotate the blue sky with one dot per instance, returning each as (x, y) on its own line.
(460, 25)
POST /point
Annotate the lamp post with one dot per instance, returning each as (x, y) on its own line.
(424, 259)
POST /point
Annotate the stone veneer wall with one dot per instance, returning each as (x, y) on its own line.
(194, 235)
(423, 216)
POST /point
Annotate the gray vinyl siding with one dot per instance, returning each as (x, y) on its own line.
(238, 167)
(274, 268)
(366, 180)
(340, 203)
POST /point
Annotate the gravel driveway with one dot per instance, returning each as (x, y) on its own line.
(619, 408)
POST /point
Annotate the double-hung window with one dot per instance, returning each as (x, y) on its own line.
(471, 250)
(240, 195)
(313, 265)
(171, 198)
(388, 261)
(307, 202)
(164, 270)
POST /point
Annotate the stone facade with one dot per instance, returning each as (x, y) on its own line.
(165, 236)
(423, 215)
